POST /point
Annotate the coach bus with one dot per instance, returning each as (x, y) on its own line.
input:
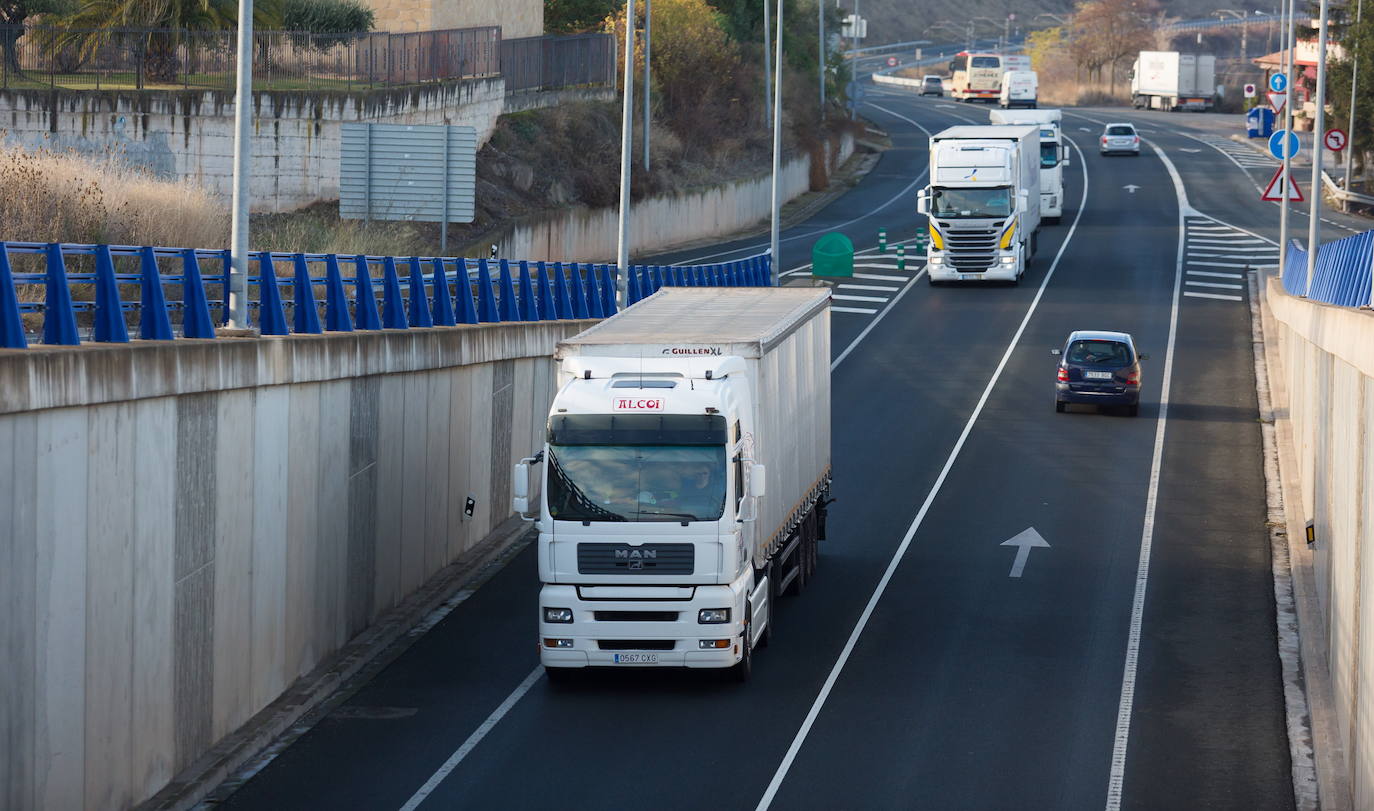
(976, 76)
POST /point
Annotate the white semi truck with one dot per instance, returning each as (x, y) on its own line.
(983, 202)
(1169, 80)
(686, 473)
(1054, 155)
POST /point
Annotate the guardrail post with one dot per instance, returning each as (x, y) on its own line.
(528, 306)
(767, 262)
(608, 287)
(548, 303)
(153, 322)
(364, 297)
(305, 315)
(679, 278)
(646, 282)
(336, 318)
(578, 289)
(487, 312)
(506, 304)
(393, 309)
(11, 323)
(59, 318)
(109, 310)
(596, 302)
(562, 299)
(632, 295)
(271, 314)
(419, 302)
(195, 311)
(228, 258)
(466, 313)
(443, 302)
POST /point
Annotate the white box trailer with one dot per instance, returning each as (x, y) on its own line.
(1169, 80)
(687, 469)
(1054, 155)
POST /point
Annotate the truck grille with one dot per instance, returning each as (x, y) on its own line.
(970, 249)
(635, 644)
(635, 616)
(620, 558)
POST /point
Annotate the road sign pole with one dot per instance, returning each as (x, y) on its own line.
(1314, 217)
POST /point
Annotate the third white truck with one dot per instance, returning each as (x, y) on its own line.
(983, 202)
(1054, 155)
(1169, 80)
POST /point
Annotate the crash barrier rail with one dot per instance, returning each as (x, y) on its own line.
(1341, 275)
(1344, 195)
(106, 298)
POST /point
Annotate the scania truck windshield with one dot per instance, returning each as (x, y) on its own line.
(971, 203)
(637, 467)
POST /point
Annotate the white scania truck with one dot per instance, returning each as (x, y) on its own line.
(1054, 155)
(983, 202)
(685, 479)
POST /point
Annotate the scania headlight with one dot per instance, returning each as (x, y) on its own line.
(937, 260)
(1009, 260)
(713, 616)
(558, 615)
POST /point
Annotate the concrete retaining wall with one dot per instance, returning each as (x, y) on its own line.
(1324, 402)
(187, 528)
(660, 223)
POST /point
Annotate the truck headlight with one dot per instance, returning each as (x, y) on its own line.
(713, 616)
(937, 260)
(557, 643)
(1006, 260)
(558, 615)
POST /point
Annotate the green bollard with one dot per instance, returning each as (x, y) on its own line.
(901, 257)
(882, 240)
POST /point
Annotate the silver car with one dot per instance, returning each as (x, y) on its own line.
(1122, 138)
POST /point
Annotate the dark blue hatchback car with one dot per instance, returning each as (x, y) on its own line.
(1098, 368)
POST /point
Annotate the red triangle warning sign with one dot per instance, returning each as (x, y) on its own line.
(1274, 191)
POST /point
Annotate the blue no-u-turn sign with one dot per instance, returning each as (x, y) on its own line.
(1278, 82)
(1279, 139)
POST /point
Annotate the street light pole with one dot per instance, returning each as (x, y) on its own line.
(243, 153)
(1287, 66)
(648, 49)
(767, 66)
(773, 239)
(1354, 79)
(627, 106)
(1318, 129)
(821, 51)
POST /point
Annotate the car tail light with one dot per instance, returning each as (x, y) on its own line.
(1135, 139)
(1133, 378)
(1104, 139)
(1063, 375)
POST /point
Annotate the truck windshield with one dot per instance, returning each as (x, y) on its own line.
(956, 203)
(636, 482)
(1049, 154)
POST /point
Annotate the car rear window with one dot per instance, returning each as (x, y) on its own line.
(1121, 129)
(933, 80)
(1106, 353)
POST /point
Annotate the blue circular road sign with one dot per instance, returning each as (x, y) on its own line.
(1278, 82)
(1277, 141)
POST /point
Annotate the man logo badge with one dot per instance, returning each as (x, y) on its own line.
(635, 565)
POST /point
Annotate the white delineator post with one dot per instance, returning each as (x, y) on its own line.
(777, 155)
(243, 123)
(622, 251)
(1314, 219)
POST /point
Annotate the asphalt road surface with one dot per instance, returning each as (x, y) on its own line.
(916, 672)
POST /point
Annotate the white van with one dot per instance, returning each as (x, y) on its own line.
(1019, 89)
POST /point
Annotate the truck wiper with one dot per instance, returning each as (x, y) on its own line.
(687, 516)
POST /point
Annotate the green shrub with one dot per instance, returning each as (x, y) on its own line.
(327, 17)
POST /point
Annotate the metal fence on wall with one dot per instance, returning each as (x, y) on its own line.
(45, 57)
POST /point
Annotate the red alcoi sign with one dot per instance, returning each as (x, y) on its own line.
(1335, 140)
(639, 404)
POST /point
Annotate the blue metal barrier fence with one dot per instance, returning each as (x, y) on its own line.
(1341, 275)
(438, 291)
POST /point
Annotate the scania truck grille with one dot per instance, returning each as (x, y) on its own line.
(971, 249)
(620, 558)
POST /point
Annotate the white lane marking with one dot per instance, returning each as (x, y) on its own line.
(1238, 249)
(1222, 264)
(471, 743)
(1271, 254)
(1219, 285)
(869, 287)
(877, 265)
(1116, 780)
(1222, 228)
(778, 776)
(879, 299)
(879, 278)
(1237, 242)
(859, 310)
(1221, 296)
(893, 303)
(1024, 541)
(1216, 275)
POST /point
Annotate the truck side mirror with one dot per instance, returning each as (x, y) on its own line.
(923, 202)
(520, 488)
(1064, 157)
(757, 486)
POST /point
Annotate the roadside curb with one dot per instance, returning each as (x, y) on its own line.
(245, 752)
(1315, 749)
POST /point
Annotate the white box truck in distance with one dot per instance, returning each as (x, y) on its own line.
(686, 474)
(1169, 80)
(1054, 155)
(983, 202)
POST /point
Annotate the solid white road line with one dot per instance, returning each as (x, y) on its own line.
(869, 287)
(859, 310)
(878, 299)
(1219, 285)
(833, 677)
(471, 743)
(1117, 778)
(1213, 295)
(1216, 275)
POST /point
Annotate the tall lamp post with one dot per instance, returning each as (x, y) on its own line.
(773, 238)
(627, 106)
(1292, 91)
(1314, 219)
(238, 219)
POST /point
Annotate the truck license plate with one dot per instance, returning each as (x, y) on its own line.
(636, 658)
(969, 277)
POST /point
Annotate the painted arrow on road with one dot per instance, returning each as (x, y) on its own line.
(1024, 541)
(1131, 187)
